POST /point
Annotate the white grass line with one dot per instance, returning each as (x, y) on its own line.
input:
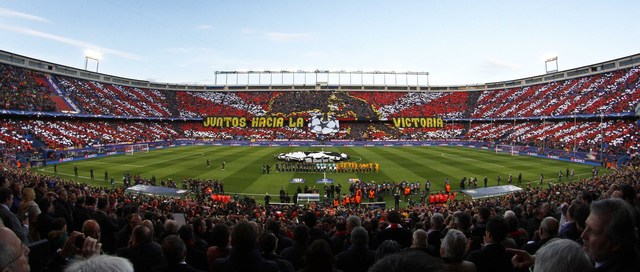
(470, 159)
(173, 159)
(79, 176)
(115, 163)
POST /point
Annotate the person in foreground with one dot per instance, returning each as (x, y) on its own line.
(609, 240)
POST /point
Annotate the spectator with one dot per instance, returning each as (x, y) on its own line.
(10, 220)
(30, 209)
(408, 261)
(493, 257)
(102, 263)
(387, 247)
(107, 226)
(395, 231)
(175, 254)
(318, 258)
(244, 255)
(267, 245)
(142, 252)
(15, 254)
(562, 255)
(220, 247)
(295, 254)
(358, 257)
(453, 250)
(548, 230)
(610, 236)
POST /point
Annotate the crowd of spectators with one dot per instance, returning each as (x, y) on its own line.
(98, 98)
(612, 92)
(23, 90)
(244, 234)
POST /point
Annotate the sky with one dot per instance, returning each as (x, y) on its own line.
(457, 42)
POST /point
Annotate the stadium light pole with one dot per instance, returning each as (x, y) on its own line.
(549, 60)
(94, 55)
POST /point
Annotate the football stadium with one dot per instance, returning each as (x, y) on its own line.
(318, 170)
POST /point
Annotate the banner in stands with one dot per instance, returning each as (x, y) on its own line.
(491, 191)
(418, 122)
(254, 122)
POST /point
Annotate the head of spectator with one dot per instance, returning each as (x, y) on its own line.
(483, 214)
(6, 196)
(419, 240)
(62, 195)
(408, 261)
(28, 195)
(15, 255)
(359, 237)
(610, 231)
(464, 221)
(496, 230)
(562, 255)
(91, 228)
(629, 194)
(186, 233)
(394, 217)
(199, 226)
(46, 206)
(319, 257)
(147, 223)
(101, 263)
(220, 235)
(387, 247)
(310, 219)
(171, 226)
(453, 246)
(134, 220)
(301, 234)
(103, 204)
(437, 221)
(352, 222)
(174, 249)
(244, 236)
(140, 235)
(549, 228)
(267, 243)
(579, 214)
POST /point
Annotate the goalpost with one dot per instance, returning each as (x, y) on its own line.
(130, 149)
(512, 149)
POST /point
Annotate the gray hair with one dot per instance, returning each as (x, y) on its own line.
(354, 221)
(562, 255)
(619, 214)
(171, 226)
(102, 263)
(454, 245)
(420, 238)
(359, 236)
(437, 220)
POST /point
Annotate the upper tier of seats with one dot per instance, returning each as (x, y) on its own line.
(606, 93)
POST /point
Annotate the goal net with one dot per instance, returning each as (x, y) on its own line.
(511, 149)
(130, 149)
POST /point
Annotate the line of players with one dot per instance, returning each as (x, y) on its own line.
(340, 167)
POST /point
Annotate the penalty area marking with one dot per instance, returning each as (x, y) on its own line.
(470, 159)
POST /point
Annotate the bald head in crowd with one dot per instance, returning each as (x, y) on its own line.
(91, 228)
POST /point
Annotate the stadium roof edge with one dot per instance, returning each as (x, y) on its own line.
(58, 69)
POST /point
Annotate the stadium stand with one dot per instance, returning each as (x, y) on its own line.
(592, 114)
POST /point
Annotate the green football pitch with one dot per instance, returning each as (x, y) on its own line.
(243, 167)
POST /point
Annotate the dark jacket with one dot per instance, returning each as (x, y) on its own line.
(491, 258)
